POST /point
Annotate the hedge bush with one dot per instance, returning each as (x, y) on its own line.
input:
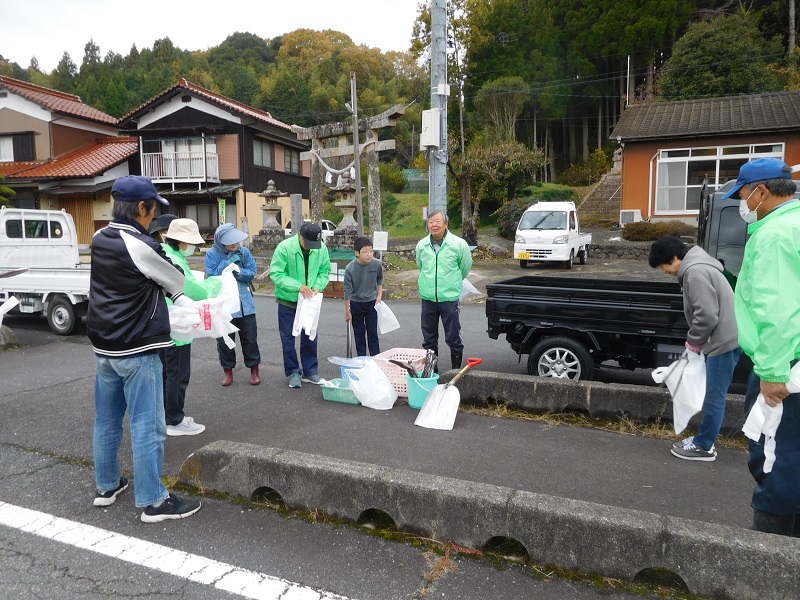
(648, 231)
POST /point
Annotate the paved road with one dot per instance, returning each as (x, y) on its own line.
(46, 412)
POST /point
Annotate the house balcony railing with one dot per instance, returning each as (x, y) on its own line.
(181, 167)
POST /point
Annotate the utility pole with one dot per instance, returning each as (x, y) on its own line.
(440, 90)
(356, 154)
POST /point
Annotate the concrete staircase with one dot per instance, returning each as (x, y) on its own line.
(604, 200)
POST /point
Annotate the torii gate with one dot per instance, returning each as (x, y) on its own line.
(344, 133)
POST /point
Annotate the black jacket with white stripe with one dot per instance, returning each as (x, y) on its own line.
(129, 275)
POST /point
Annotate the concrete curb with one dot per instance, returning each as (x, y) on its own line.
(714, 561)
(602, 400)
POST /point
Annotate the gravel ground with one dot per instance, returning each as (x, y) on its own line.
(492, 263)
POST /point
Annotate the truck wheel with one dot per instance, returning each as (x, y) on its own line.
(582, 256)
(523, 264)
(61, 316)
(562, 358)
(568, 262)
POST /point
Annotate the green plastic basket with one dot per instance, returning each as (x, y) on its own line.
(340, 393)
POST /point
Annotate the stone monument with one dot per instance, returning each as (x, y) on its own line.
(272, 232)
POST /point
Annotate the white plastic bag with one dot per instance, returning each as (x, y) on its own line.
(306, 317)
(686, 380)
(765, 419)
(386, 320)
(468, 289)
(372, 388)
(229, 293)
(6, 306)
(208, 318)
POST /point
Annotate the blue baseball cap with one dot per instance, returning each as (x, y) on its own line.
(133, 188)
(760, 169)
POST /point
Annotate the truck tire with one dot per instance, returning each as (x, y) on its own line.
(568, 262)
(61, 316)
(583, 255)
(562, 358)
(523, 264)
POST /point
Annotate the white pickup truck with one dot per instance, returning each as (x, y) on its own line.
(548, 232)
(43, 245)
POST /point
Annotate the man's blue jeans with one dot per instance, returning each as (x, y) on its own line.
(308, 348)
(719, 374)
(133, 384)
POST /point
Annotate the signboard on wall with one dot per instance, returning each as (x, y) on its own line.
(221, 210)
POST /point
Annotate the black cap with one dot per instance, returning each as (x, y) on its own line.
(161, 223)
(312, 235)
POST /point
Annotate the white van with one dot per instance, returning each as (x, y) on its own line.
(548, 232)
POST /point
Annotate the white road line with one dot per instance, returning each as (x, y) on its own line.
(192, 567)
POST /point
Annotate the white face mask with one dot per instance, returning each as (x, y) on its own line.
(189, 250)
(749, 216)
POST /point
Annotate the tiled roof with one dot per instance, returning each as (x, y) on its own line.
(218, 99)
(87, 162)
(711, 116)
(7, 169)
(55, 101)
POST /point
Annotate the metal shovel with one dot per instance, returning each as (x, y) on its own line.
(441, 405)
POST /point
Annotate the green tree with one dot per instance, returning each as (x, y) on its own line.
(487, 164)
(246, 49)
(723, 57)
(500, 101)
(65, 74)
(5, 192)
(287, 97)
(240, 83)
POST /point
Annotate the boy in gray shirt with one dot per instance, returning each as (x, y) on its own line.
(363, 288)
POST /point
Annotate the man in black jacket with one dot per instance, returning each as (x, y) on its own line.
(128, 323)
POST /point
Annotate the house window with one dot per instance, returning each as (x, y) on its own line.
(291, 160)
(262, 154)
(16, 148)
(680, 172)
(6, 149)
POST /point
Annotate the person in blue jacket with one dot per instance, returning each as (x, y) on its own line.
(227, 249)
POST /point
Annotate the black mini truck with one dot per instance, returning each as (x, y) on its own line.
(569, 327)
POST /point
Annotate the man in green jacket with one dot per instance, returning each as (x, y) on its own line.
(767, 309)
(444, 260)
(300, 265)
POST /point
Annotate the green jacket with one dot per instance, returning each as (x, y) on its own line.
(441, 274)
(287, 270)
(767, 305)
(192, 288)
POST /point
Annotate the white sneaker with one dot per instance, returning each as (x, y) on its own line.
(186, 427)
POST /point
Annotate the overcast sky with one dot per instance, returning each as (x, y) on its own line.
(47, 28)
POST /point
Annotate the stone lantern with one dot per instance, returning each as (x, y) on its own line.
(271, 208)
(272, 232)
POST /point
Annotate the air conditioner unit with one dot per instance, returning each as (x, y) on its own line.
(629, 216)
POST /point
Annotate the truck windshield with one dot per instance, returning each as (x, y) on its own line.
(544, 220)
